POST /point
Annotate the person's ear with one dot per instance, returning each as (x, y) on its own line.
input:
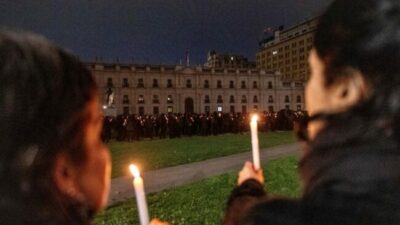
(64, 176)
(349, 90)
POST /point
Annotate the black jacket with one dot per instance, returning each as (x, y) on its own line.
(356, 184)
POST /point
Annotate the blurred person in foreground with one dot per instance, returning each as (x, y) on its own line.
(54, 168)
(350, 169)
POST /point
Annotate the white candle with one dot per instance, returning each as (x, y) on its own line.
(140, 195)
(254, 142)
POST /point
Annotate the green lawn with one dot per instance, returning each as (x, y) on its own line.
(203, 202)
(155, 154)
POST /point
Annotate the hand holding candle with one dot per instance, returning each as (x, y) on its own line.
(248, 172)
(254, 142)
(140, 195)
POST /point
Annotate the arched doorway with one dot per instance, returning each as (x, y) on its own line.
(189, 106)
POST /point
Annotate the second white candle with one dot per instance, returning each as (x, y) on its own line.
(140, 195)
(254, 142)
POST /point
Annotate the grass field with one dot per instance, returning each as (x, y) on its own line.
(203, 202)
(155, 154)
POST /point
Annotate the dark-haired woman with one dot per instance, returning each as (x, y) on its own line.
(54, 169)
(351, 167)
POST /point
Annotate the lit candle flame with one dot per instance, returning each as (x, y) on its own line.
(134, 170)
(254, 118)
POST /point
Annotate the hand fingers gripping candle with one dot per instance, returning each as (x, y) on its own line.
(254, 142)
(140, 195)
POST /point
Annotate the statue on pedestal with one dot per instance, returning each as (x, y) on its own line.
(109, 97)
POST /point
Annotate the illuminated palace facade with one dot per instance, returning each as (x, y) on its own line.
(155, 89)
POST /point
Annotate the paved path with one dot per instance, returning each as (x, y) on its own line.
(158, 180)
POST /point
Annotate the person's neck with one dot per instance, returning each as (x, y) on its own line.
(314, 127)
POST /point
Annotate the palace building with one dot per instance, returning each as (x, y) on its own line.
(155, 89)
(286, 51)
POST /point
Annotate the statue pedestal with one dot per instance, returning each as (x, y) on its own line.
(110, 112)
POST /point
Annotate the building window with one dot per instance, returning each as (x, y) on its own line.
(298, 84)
(270, 99)
(206, 84)
(243, 86)
(169, 83)
(298, 99)
(141, 110)
(156, 99)
(269, 85)
(244, 109)
(255, 108)
(110, 82)
(287, 100)
(206, 99)
(125, 83)
(155, 83)
(270, 108)
(255, 99)
(232, 99)
(188, 83)
(287, 107)
(125, 99)
(169, 109)
(298, 107)
(255, 84)
(169, 99)
(286, 84)
(232, 109)
(219, 99)
(140, 83)
(207, 109)
(219, 84)
(140, 99)
(231, 84)
(155, 110)
(244, 99)
(125, 109)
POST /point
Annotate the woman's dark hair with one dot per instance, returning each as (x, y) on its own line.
(44, 93)
(363, 35)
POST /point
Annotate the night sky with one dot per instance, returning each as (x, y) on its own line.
(156, 31)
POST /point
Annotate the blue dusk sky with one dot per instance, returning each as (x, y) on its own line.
(156, 31)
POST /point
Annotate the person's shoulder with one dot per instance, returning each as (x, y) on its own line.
(277, 211)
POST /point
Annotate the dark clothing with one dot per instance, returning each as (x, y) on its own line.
(242, 199)
(354, 185)
(23, 212)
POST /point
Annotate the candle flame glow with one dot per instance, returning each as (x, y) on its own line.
(134, 170)
(254, 118)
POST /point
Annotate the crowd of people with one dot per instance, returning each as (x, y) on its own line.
(136, 127)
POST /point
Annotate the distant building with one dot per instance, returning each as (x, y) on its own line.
(216, 60)
(286, 52)
(154, 89)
